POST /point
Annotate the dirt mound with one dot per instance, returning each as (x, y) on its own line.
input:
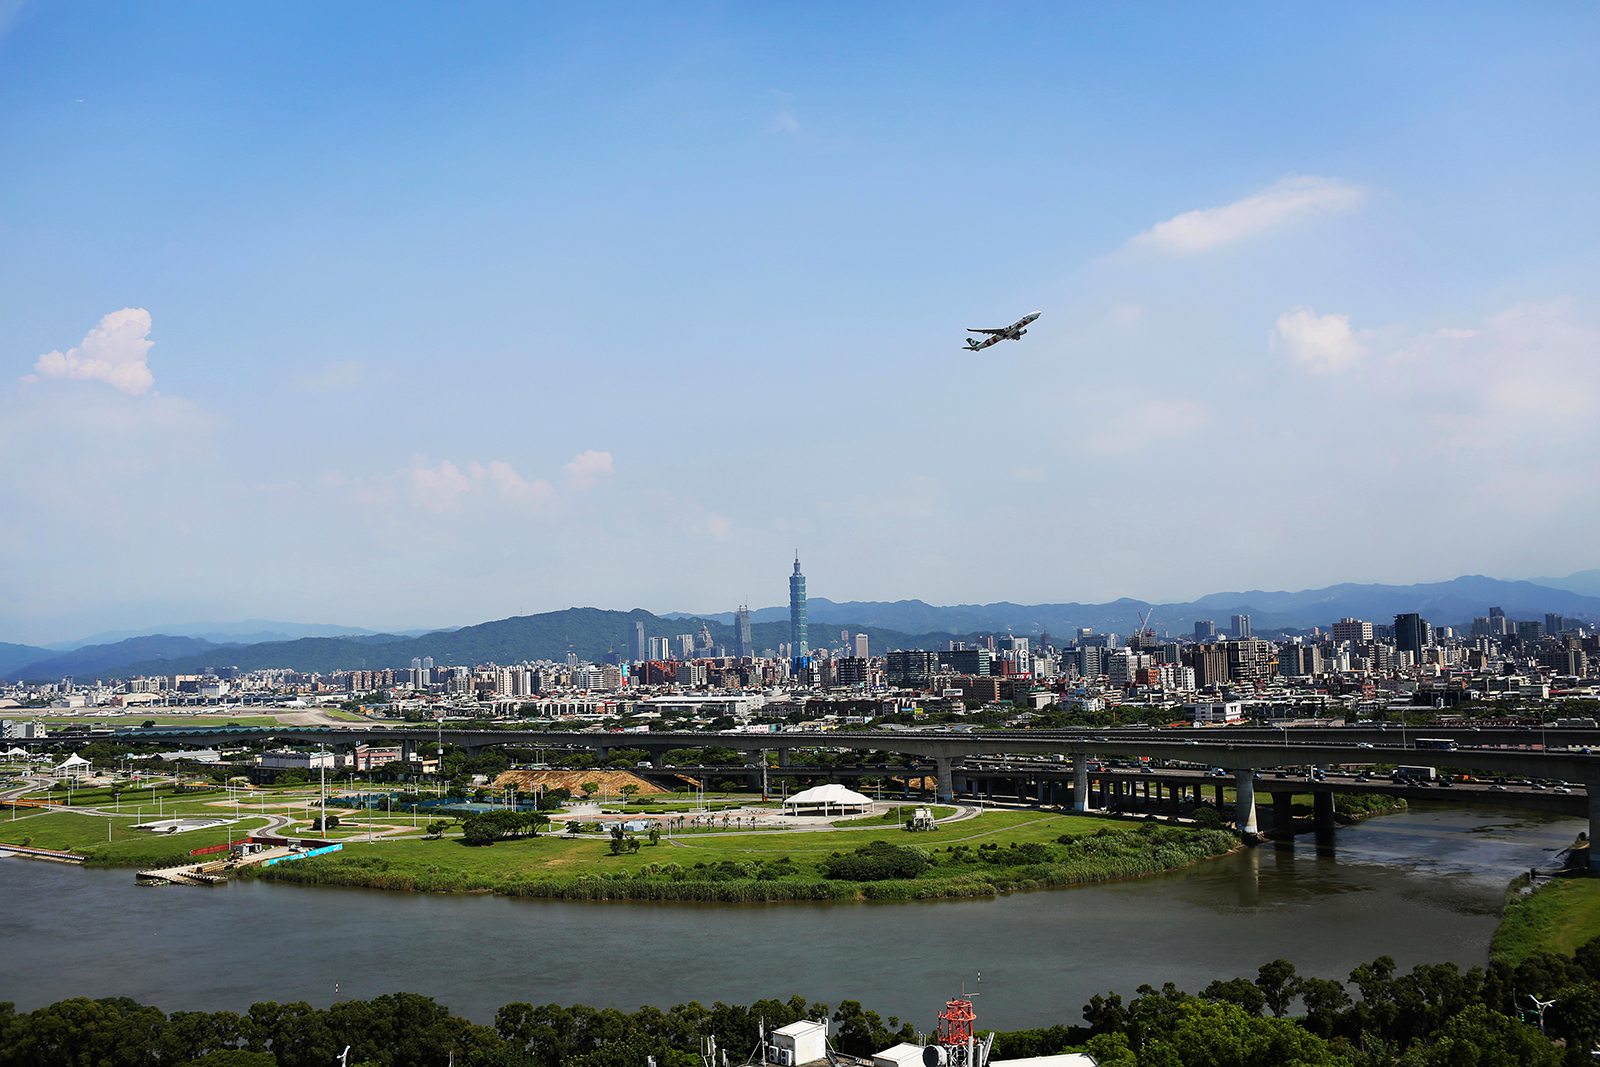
(610, 782)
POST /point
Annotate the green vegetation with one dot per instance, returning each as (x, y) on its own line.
(1557, 917)
(1000, 852)
(85, 835)
(1437, 1015)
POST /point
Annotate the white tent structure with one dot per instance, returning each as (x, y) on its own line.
(74, 766)
(827, 797)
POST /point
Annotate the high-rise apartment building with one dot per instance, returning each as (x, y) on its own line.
(1204, 630)
(859, 646)
(1352, 630)
(1241, 627)
(685, 646)
(799, 638)
(659, 649)
(636, 645)
(742, 644)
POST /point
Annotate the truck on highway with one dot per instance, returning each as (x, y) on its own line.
(1414, 774)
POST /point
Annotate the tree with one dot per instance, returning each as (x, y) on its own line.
(573, 827)
(619, 839)
(437, 827)
(1279, 985)
(655, 834)
(629, 791)
(589, 789)
(1237, 991)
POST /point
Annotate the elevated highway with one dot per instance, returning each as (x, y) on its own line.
(1240, 751)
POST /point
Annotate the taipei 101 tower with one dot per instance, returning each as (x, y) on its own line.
(799, 642)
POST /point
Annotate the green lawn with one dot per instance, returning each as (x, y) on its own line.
(564, 856)
(72, 832)
(1558, 917)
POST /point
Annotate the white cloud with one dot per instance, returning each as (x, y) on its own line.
(334, 377)
(586, 469)
(439, 488)
(113, 352)
(1322, 344)
(514, 486)
(1283, 201)
(1121, 422)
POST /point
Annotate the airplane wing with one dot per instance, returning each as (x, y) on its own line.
(979, 329)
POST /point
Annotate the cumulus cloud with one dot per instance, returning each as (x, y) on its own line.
(513, 486)
(586, 469)
(1322, 344)
(439, 488)
(113, 352)
(444, 487)
(1284, 201)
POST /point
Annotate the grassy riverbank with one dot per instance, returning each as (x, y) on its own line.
(1558, 916)
(998, 852)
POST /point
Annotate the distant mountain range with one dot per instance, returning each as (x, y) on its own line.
(591, 632)
(1450, 603)
(243, 632)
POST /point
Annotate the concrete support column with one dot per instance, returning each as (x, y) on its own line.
(1322, 808)
(1283, 813)
(947, 786)
(408, 750)
(783, 757)
(602, 754)
(1218, 791)
(1594, 822)
(1244, 812)
(1080, 783)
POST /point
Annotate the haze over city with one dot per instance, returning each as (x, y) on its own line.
(407, 317)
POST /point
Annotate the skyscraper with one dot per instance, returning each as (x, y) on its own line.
(1411, 633)
(742, 644)
(1204, 630)
(799, 639)
(636, 645)
(860, 646)
(1241, 627)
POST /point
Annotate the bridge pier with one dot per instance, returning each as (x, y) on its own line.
(408, 750)
(1322, 807)
(783, 757)
(1218, 791)
(1594, 822)
(658, 758)
(1080, 783)
(1283, 813)
(1244, 807)
(947, 787)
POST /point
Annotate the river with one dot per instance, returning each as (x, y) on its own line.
(1423, 886)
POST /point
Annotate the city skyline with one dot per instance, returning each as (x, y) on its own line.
(399, 318)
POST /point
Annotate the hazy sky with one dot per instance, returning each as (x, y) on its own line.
(398, 315)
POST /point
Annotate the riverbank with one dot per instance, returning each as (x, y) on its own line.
(996, 853)
(1556, 914)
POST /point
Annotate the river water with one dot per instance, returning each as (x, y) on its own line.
(1424, 886)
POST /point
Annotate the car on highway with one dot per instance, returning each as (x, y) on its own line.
(1363, 744)
(1561, 789)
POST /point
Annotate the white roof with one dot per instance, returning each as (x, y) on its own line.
(833, 793)
(800, 1028)
(72, 761)
(898, 1055)
(1066, 1059)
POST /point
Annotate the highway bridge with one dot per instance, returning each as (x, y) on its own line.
(1243, 753)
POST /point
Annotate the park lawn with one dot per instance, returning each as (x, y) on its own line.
(72, 832)
(1001, 827)
(1558, 917)
(552, 855)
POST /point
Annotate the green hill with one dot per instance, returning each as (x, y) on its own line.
(588, 632)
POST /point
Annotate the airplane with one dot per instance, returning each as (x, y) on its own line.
(1013, 332)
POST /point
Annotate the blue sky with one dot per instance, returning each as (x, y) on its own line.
(401, 315)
